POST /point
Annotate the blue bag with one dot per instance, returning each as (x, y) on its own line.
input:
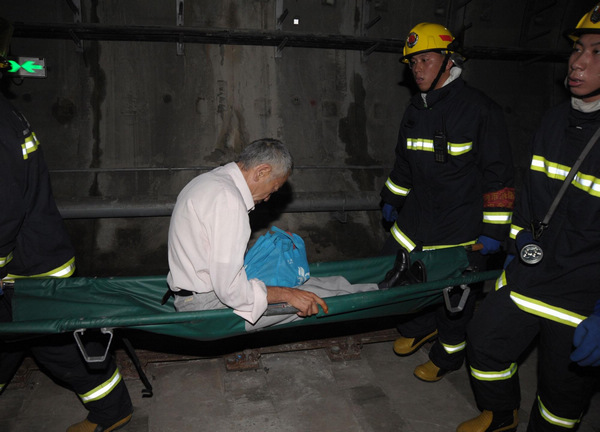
(278, 258)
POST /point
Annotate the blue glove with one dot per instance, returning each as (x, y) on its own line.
(524, 238)
(490, 245)
(508, 259)
(587, 340)
(389, 212)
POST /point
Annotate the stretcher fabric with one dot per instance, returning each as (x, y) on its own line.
(46, 306)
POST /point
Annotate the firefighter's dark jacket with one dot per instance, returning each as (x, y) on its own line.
(471, 194)
(33, 238)
(567, 280)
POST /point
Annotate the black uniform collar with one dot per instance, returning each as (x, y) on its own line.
(582, 119)
(434, 96)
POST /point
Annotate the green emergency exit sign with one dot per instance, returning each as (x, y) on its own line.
(27, 67)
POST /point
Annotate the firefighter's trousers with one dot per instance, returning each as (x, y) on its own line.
(99, 386)
(448, 351)
(498, 335)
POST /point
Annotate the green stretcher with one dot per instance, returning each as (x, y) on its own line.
(49, 306)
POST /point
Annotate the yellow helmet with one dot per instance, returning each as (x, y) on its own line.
(427, 37)
(589, 23)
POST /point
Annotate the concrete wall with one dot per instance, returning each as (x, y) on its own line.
(129, 123)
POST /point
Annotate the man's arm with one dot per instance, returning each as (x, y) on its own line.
(229, 236)
(11, 216)
(306, 302)
(495, 162)
(398, 184)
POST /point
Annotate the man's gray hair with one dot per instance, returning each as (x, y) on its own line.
(270, 151)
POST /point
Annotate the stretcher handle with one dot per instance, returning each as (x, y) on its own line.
(463, 298)
(280, 309)
(474, 247)
(86, 357)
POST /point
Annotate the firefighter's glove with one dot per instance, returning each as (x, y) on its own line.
(490, 245)
(389, 212)
(524, 238)
(587, 340)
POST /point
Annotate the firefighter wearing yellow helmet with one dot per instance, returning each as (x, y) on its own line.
(555, 302)
(451, 185)
(432, 38)
(427, 37)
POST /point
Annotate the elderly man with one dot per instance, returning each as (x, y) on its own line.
(209, 234)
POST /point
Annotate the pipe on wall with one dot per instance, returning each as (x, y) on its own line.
(96, 208)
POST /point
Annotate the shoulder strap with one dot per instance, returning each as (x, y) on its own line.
(538, 232)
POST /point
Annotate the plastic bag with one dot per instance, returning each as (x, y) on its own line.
(278, 258)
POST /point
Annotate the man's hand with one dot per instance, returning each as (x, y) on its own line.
(306, 302)
(587, 340)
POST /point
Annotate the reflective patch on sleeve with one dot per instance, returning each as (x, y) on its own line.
(497, 218)
(395, 189)
(402, 238)
(501, 281)
(514, 230)
(5, 260)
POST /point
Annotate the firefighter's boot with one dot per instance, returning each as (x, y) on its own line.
(488, 421)
(406, 346)
(429, 372)
(88, 426)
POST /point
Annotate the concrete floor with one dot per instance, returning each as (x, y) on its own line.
(298, 390)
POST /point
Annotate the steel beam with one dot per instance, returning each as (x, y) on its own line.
(260, 38)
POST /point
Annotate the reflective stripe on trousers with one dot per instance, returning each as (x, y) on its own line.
(103, 389)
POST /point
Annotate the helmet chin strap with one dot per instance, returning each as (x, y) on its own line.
(591, 94)
(441, 71)
(594, 93)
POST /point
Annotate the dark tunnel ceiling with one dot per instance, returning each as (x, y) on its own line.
(79, 32)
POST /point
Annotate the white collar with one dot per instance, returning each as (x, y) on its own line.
(585, 107)
(454, 73)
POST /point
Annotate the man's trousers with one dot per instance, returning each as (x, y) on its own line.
(99, 386)
(498, 335)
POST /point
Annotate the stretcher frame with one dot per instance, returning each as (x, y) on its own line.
(75, 305)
